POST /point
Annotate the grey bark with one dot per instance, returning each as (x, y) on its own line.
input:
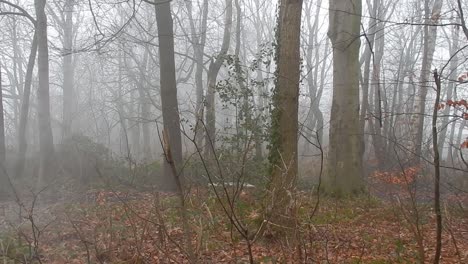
(145, 112)
(169, 103)
(198, 41)
(314, 80)
(453, 47)
(68, 70)
(215, 66)
(46, 142)
(3, 175)
(346, 137)
(430, 35)
(2, 125)
(24, 113)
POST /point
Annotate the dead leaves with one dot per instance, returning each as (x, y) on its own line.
(128, 228)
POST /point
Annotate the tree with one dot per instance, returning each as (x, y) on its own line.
(3, 176)
(430, 35)
(198, 40)
(46, 142)
(2, 125)
(215, 66)
(24, 113)
(170, 108)
(316, 72)
(68, 71)
(284, 134)
(346, 137)
(453, 49)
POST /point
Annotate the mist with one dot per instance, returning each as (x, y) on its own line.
(233, 131)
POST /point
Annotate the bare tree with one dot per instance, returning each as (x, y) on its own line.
(68, 70)
(3, 176)
(46, 141)
(198, 40)
(169, 103)
(346, 137)
(430, 35)
(215, 66)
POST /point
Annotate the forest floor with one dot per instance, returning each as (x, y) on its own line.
(135, 227)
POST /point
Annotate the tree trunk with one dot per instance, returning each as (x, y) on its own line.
(450, 88)
(262, 93)
(199, 48)
(17, 73)
(430, 35)
(378, 140)
(68, 71)
(3, 175)
(46, 142)
(170, 108)
(245, 114)
(134, 125)
(215, 66)
(346, 138)
(2, 125)
(284, 134)
(170, 111)
(314, 116)
(145, 111)
(24, 113)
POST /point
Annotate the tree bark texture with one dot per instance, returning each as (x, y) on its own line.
(346, 137)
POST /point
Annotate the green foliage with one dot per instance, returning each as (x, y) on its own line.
(249, 124)
(274, 145)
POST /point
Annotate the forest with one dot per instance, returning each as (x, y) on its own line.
(233, 131)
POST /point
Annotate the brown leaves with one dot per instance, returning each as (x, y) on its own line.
(123, 227)
(464, 144)
(398, 177)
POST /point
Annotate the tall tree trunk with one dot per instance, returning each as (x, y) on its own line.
(68, 71)
(24, 113)
(377, 123)
(346, 138)
(3, 175)
(315, 116)
(145, 105)
(450, 87)
(170, 111)
(284, 134)
(215, 66)
(262, 91)
(2, 125)
(169, 103)
(46, 142)
(17, 73)
(245, 114)
(198, 42)
(430, 35)
(367, 58)
(134, 125)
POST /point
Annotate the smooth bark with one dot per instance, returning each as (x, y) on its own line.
(215, 66)
(46, 142)
(170, 107)
(68, 70)
(24, 113)
(430, 35)
(346, 137)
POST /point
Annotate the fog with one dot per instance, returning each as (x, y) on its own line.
(118, 101)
